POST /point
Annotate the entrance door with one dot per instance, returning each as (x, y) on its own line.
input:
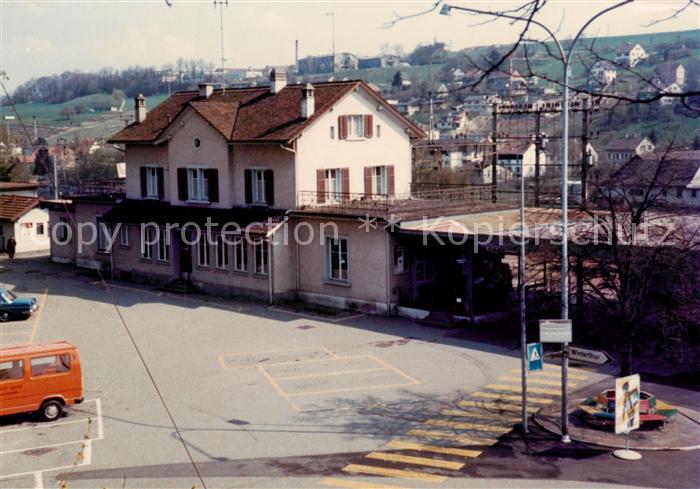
(185, 258)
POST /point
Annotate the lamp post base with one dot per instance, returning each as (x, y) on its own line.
(565, 439)
(627, 454)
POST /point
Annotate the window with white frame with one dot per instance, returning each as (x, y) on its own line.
(221, 252)
(399, 259)
(334, 185)
(356, 126)
(379, 180)
(203, 251)
(40, 228)
(152, 182)
(163, 245)
(124, 235)
(197, 185)
(239, 255)
(102, 235)
(260, 256)
(147, 235)
(258, 187)
(337, 259)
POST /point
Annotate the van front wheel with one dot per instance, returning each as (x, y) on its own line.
(51, 410)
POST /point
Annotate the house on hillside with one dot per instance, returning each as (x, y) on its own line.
(383, 61)
(669, 73)
(630, 54)
(22, 218)
(514, 156)
(621, 150)
(603, 73)
(313, 65)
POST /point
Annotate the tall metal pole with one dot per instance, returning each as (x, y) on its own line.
(221, 3)
(565, 254)
(584, 155)
(523, 323)
(55, 177)
(538, 149)
(494, 153)
(332, 15)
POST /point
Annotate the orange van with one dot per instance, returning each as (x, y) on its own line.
(42, 377)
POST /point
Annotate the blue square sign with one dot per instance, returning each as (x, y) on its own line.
(534, 357)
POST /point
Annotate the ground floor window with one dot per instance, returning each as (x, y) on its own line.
(147, 239)
(40, 228)
(221, 252)
(124, 235)
(239, 255)
(260, 257)
(203, 251)
(163, 245)
(102, 234)
(337, 259)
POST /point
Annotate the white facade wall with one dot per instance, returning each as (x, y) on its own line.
(316, 150)
(25, 231)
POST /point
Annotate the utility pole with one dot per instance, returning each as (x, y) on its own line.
(494, 152)
(538, 149)
(331, 14)
(55, 177)
(584, 154)
(430, 115)
(221, 4)
(523, 297)
(36, 132)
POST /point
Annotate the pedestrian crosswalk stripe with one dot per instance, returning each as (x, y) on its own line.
(535, 380)
(495, 405)
(456, 425)
(516, 388)
(420, 447)
(350, 484)
(400, 473)
(479, 415)
(442, 435)
(552, 373)
(506, 397)
(406, 459)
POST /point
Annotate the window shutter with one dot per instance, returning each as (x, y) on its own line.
(161, 183)
(182, 184)
(320, 186)
(143, 182)
(342, 127)
(368, 126)
(213, 184)
(368, 181)
(269, 187)
(345, 173)
(390, 180)
(248, 174)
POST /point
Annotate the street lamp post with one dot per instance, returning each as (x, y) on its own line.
(331, 14)
(565, 56)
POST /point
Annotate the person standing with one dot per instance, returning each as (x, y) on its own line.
(11, 247)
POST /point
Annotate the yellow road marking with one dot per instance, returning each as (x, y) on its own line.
(479, 414)
(406, 459)
(331, 353)
(391, 367)
(37, 318)
(495, 405)
(401, 473)
(420, 447)
(441, 435)
(535, 380)
(505, 397)
(349, 389)
(456, 425)
(272, 381)
(346, 372)
(350, 484)
(553, 373)
(516, 388)
(224, 356)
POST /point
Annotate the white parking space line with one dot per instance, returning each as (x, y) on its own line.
(54, 424)
(38, 480)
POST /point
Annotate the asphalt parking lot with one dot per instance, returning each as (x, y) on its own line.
(263, 396)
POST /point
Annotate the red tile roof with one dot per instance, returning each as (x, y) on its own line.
(251, 114)
(12, 207)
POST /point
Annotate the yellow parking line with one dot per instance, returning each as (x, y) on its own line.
(37, 318)
(391, 367)
(495, 405)
(505, 397)
(552, 373)
(456, 425)
(516, 388)
(479, 414)
(331, 353)
(420, 447)
(400, 473)
(406, 459)
(442, 435)
(346, 372)
(349, 389)
(279, 390)
(535, 380)
(350, 484)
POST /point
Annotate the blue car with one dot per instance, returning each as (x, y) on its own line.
(12, 306)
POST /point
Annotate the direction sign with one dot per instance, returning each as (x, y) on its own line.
(627, 397)
(586, 355)
(534, 357)
(555, 330)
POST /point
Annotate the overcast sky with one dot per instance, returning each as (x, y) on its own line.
(40, 38)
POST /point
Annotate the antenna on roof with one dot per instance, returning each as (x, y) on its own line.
(221, 4)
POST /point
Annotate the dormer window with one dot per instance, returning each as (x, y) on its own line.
(197, 143)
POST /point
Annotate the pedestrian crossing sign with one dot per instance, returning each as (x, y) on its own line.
(534, 357)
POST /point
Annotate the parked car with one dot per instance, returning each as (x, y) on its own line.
(12, 306)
